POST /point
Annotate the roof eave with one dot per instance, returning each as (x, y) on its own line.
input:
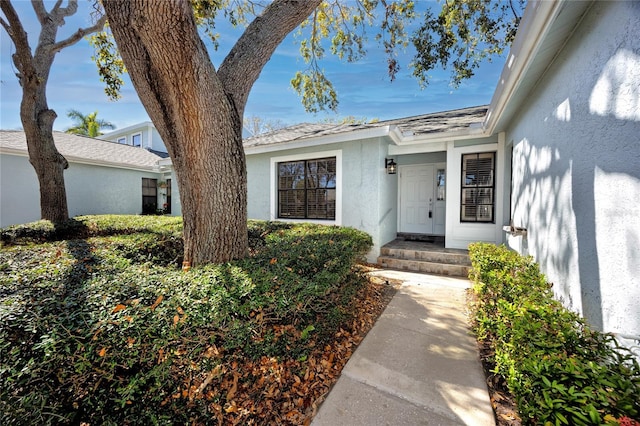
(534, 27)
(79, 160)
(320, 140)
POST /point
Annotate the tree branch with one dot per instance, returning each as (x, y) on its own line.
(72, 7)
(17, 33)
(75, 37)
(242, 66)
(56, 7)
(41, 12)
(6, 26)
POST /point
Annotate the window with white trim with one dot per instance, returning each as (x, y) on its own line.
(122, 140)
(477, 202)
(136, 140)
(307, 189)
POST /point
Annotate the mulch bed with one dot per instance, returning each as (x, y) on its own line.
(502, 401)
(289, 392)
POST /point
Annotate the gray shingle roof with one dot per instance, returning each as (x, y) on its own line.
(81, 148)
(439, 122)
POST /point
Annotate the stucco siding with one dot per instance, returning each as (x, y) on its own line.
(100, 190)
(156, 141)
(258, 186)
(90, 189)
(576, 169)
(366, 203)
(19, 191)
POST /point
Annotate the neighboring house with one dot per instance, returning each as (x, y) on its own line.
(103, 177)
(551, 166)
(142, 135)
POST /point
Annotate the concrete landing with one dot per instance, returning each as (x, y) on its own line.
(417, 366)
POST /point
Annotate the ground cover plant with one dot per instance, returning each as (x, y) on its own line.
(100, 324)
(559, 369)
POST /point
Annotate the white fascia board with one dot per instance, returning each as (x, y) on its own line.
(536, 22)
(126, 130)
(13, 151)
(417, 149)
(154, 169)
(433, 142)
(321, 140)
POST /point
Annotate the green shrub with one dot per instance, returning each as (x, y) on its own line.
(559, 370)
(99, 324)
(89, 226)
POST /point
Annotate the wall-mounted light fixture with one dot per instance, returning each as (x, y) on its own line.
(390, 165)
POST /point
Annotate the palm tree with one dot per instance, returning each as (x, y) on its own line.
(87, 125)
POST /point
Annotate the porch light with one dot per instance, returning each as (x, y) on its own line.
(390, 165)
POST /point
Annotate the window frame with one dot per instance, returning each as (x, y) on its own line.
(275, 161)
(122, 140)
(478, 187)
(133, 139)
(152, 184)
(301, 172)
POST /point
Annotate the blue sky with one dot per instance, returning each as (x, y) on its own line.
(364, 89)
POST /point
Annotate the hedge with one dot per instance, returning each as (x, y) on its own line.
(99, 324)
(559, 369)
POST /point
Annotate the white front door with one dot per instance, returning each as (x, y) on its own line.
(416, 199)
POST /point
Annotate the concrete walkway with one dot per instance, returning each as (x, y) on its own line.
(417, 366)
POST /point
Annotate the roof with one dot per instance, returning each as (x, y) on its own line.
(425, 124)
(86, 150)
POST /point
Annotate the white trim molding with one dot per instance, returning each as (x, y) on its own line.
(273, 185)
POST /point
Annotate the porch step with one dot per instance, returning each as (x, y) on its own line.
(431, 260)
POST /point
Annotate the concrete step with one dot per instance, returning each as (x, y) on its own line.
(418, 265)
(448, 256)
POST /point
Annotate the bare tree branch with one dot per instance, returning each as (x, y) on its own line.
(41, 12)
(75, 37)
(72, 7)
(17, 33)
(56, 7)
(6, 26)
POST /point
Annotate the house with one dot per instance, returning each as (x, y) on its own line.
(103, 177)
(551, 167)
(142, 135)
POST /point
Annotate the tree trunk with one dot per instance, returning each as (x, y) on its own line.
(198, 112)
(37, 122)
(48, 163)
(37, 119)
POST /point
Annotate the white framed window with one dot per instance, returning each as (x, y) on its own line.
(477, 202)
(136, 139)
(122, 140)
(307, 187)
